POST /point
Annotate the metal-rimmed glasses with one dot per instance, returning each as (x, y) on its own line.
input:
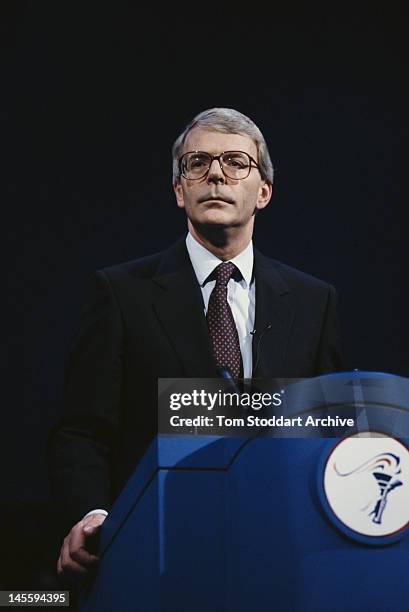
(194, 165)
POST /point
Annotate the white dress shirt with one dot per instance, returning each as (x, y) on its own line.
(241, 295)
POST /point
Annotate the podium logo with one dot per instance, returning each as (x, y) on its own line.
(384, 468)
(366, 484)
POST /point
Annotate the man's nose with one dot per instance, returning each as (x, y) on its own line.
(215, 174)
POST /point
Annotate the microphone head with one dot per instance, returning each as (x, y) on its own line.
(265, 329)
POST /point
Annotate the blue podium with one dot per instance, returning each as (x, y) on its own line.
(267, 523)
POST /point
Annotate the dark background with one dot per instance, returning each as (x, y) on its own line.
(94, 95)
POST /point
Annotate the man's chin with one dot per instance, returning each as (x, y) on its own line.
(216, 218)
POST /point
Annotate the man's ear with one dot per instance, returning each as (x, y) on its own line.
(177, 188)
(264, 195)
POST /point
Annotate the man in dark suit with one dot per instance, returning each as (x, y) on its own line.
(210, 302)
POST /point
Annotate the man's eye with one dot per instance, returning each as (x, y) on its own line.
(236, 162)
(197, 163)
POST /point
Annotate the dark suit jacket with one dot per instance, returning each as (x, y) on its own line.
(144, 319)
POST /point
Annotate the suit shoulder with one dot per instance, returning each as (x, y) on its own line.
(300, 275)
(298, 279)
(143, 267)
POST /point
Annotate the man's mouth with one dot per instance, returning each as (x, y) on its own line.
(210, 198)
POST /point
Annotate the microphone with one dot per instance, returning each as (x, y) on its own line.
(267, 328)
(225, 373)
(260, 336)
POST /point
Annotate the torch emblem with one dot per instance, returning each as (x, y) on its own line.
(385, 468)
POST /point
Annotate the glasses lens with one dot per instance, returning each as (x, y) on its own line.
(195, 165)
(236, 164)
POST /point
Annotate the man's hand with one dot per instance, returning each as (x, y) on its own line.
(74, 556)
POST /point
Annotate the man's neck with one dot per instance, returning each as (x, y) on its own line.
(224, 244)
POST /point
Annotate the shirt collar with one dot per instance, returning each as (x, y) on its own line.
(204, 262)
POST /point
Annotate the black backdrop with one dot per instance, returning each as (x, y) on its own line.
(94, 95)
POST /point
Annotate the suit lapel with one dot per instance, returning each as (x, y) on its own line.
(272, 308)
(178, 303)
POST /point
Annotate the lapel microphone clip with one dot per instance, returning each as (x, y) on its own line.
(260, 336)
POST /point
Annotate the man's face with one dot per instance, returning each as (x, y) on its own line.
(216, 200)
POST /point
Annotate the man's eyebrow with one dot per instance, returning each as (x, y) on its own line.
(224, 151)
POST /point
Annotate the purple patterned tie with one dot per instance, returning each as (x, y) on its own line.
(222, 328)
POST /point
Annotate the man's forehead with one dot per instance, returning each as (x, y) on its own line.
(214, 142)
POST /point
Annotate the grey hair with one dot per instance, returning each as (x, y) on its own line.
(228, 121)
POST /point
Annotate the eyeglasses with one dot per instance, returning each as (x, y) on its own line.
(194, 165)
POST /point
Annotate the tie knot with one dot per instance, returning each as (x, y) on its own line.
(224, 272)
